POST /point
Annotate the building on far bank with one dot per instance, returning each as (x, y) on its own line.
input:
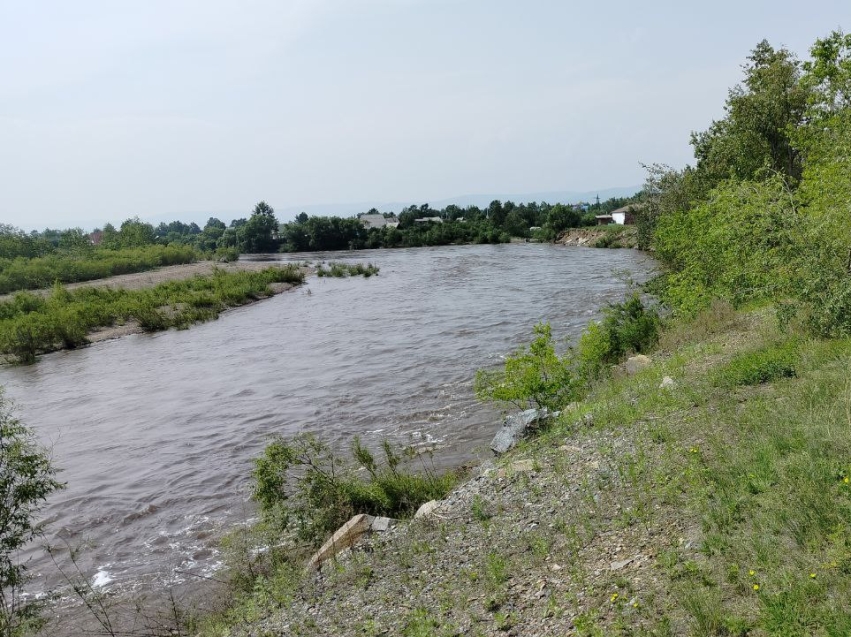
(622, 216)
(371, 220)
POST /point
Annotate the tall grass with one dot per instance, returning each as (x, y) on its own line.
(341, 270)
(30, 323)
(30, 274)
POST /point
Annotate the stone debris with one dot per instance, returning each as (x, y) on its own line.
(520, 466)
(617, 566)
(668, 383)
(381, 524)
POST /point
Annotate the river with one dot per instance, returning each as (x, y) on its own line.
(155, 433)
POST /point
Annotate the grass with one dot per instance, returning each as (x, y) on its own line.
(341, 270)
(31, 324)
(97, 263)
(728, 497)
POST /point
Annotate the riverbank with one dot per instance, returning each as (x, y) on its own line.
(611, 236)
(37, 323)
(674, 501)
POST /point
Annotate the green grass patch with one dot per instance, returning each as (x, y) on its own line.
(97, 263)
(342, 270)
(31, 323)
(763, 365)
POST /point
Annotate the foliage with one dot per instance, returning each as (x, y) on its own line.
(534, 376)
(733, 246)
(27, 478)
(31, 323)
(341, 270)
(23, 273)
(302, 485)
(627, 327)
(763, 215)
(763, 365)
(260, 233)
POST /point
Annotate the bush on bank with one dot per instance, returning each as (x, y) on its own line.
(536, 376)
(303, 486)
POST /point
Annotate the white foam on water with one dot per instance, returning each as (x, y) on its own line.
(101, 579)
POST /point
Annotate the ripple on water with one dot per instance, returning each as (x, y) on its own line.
(156, 433)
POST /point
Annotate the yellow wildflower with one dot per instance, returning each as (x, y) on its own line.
(756, 587)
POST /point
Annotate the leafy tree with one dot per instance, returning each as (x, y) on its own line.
(27, 478)
(260, 233)
(828, 75)
(561, 217)
(761, 113)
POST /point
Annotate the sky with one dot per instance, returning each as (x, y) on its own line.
(111, 109)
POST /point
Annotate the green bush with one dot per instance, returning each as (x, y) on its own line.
(303, 486)
(341, 270)
(27, 478)
(534, 376)
(41, 272)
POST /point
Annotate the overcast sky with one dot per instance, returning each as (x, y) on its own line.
(110, 109)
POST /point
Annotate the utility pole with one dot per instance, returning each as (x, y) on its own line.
(598, 202)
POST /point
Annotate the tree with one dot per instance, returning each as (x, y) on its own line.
(260, 233)
(761, 113)
(27, 478)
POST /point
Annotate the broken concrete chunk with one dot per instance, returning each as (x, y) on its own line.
(345, 537)
(381, 524)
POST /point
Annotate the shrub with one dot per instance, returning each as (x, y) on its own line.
(26, 480)
(534, 376)
(303, 486)
(341, 270)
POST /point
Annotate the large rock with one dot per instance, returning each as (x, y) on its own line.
(635, 364)
(426, 509)
(345, 537)
(516, 426)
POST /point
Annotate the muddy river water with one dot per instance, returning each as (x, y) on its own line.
(155, 434)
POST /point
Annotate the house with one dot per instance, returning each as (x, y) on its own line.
(373, 220)
(429, 220)
(625, 216)
(604, 220)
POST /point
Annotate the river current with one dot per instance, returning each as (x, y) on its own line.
(155, 434)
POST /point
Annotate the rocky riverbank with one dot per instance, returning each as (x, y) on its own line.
(600, 525)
